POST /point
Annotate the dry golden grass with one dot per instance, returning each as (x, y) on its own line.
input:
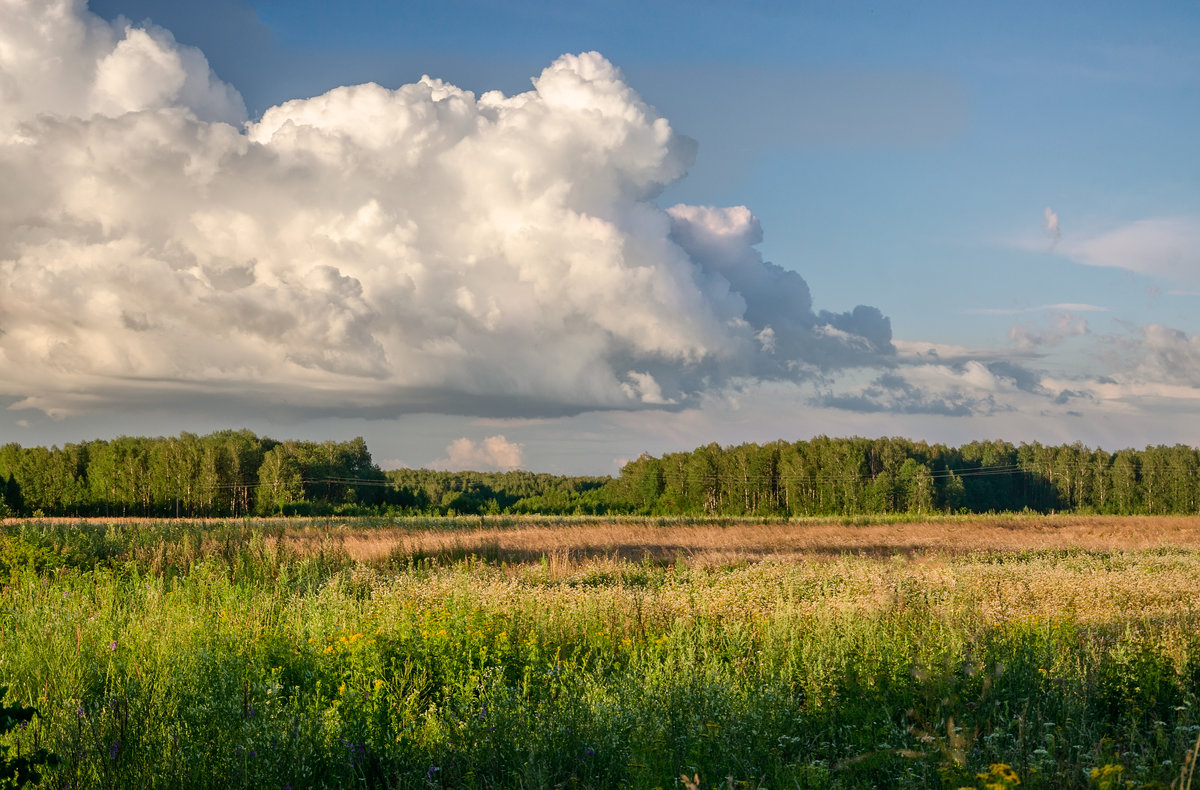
(730, 542)
(990, 570)
(996, 569)
(982, 570)
(983, 590)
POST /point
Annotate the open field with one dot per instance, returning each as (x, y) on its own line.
(724, 541)
(701, 541)
(602, 653)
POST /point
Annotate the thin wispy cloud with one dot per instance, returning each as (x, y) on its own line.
(1073, 307)
(1166, 248)
(1052, 228)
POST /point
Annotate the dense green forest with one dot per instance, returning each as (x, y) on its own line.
(430, 491)
(847, 476)
(236, 473)
(228, 473)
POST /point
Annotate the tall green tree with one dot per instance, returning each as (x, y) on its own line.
(280, 484)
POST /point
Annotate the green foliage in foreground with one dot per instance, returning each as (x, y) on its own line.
(256, 669)
(20, 768)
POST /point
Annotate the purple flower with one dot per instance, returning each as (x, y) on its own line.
(112, 645)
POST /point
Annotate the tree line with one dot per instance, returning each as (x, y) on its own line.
(227, 473)
(825, 476)
(433, 492)
(236, 473)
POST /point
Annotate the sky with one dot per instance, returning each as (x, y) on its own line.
(555, 236)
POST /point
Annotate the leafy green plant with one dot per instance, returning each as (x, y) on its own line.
(19, 769)
(18, 554)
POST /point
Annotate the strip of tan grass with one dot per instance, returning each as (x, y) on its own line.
(615, 596)
(729, 542)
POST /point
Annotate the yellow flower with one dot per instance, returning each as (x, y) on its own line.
(999, 777)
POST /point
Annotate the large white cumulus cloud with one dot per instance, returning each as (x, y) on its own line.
(57, 58)
(372, 249)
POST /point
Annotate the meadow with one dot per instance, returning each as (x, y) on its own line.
(1053, 652)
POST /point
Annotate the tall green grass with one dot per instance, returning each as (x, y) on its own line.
(153, 663)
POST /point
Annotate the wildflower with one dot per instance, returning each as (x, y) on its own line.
(112, 645)
(999, 777)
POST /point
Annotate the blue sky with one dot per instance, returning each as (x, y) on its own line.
(1015, 187)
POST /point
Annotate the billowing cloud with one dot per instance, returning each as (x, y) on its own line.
(57, 59)
(368, 250)
(495, 453)
(1060, 327)
(778, 305)
(1148, 370)
(958, 390)
(1161, 354)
